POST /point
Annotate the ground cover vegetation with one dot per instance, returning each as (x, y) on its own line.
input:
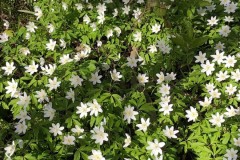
(128, 79)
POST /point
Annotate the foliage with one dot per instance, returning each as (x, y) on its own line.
(121, 80)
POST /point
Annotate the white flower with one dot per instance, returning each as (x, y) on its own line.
(155, 147)
(118, 30)
(164, 89)
(206, 102)
(24, 51)
(95, 78)
(22, 116)
(170, 77)
(136, 13)
(82, 110)
(211, 7)
(142, 78)
(80, 55)
(99, 135)
(109, 33)
(56, 129)
(42, 61)
(132, 62)
(137, 37)
(224, 31)
(140, 1)
(230, 111)
(231, 154)
(215, 93)
(208, 68)
(3, 37)
(165, 99)
(230, 89)
(166, 108)
(6, 24)
(31, 27)
(62, 43)
(152, 48)
(65, 59)
(32, 68)
(76, 81)
(225, 2)
(212, 21)
(10, 149)
(53, 84)
(170, 132)
(156, 28)
(51, 45)
(235, 75)
(218, 57)
(115, 13)
(48, 69)
(41, 96)
(71, 95)
(126, 9)
(125, 1)
(143, 125)
(237, 142)
(230, 7)
(95, 108)
(201, 57)
(99, 43)
(228, 19)
(210, 87)
(96, 155)
(38, 12)
(77, 130)
(101, 8)
(217, 119)
(8, 68)
(129, 113)
(230, 61)
(49, 111)
(127, 141)
(27, 36)
(50, 28)
(219, 46)
(64, 5)
(192, 114)
(12, 87)
(221, 76)
(69, 140)
(79, 6)
(24, 100)
(86, 19)
(115, 75)
(160, 77)
(21, 127)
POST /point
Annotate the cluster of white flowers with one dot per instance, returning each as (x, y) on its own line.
(94, 108)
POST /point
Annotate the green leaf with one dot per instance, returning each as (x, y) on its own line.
(77, 155)
(69, 122)
(84, 156)
(204, 3)
(147, 107)
(4, 105)
(197, 42)
(226, 138)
